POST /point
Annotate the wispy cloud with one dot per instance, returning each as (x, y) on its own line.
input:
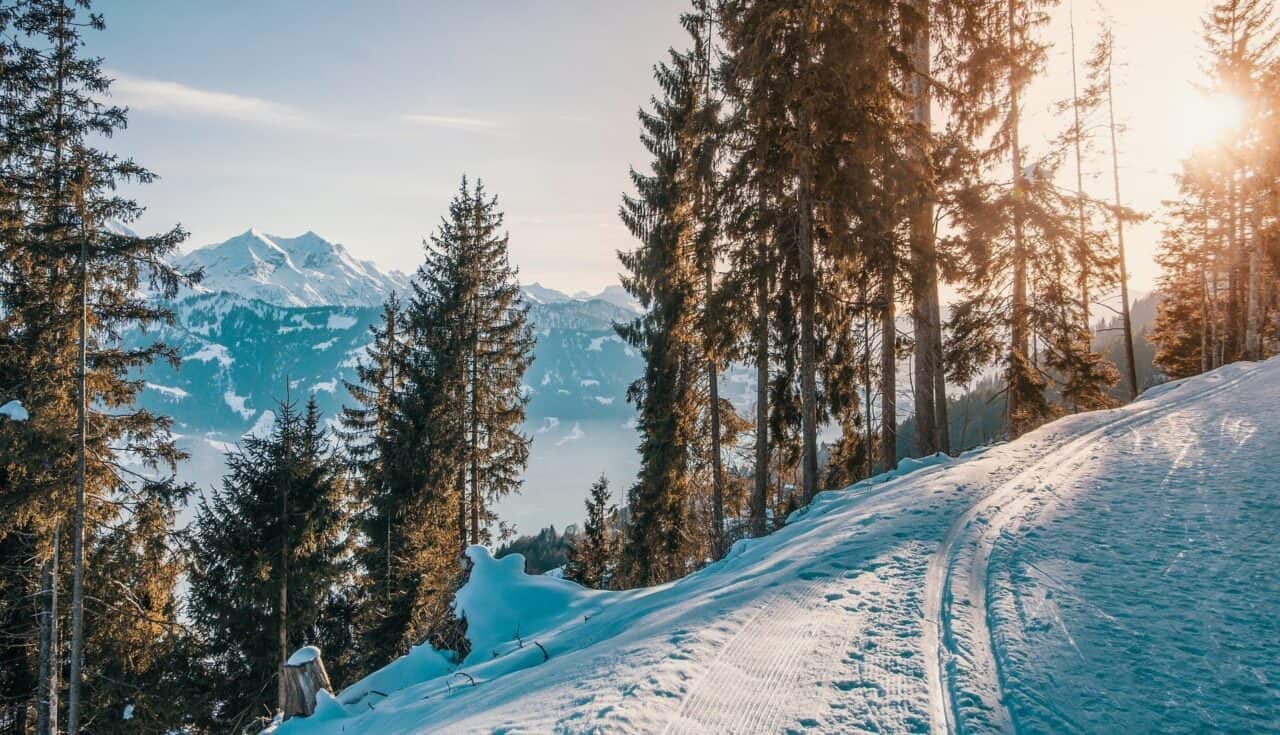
(453, 122)
(175, 98)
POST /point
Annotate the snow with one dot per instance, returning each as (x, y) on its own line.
(239, 404)
(306, 270)
(176, 394)
(263, 426)
(14, 411)
(1113, 571)
(575, 433)
(303, 655)
(597, 343)
(212, 352)
(341, 321)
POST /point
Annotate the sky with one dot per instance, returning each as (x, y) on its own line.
(358, 120)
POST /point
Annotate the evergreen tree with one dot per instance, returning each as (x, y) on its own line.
(593, 555)
(69, 285)
(469, 313)
(662, 274)
(270, 555)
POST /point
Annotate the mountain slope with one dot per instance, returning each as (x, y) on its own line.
(1112, 571)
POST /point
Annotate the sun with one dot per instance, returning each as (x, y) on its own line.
(1208, 119)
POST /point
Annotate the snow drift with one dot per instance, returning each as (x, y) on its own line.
(1113, 571)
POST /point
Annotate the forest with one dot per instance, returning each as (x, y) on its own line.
(840, 197)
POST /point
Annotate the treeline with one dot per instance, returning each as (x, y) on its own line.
(820, 169)
(347, 538)
(355, 545)
(1221, 248)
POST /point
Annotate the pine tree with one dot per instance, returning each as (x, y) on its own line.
(283, 493)
(1215, 252)
(662, 274)
(593, 555)
(70, 285)
(468, 309)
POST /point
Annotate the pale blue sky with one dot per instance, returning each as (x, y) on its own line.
(356, 119)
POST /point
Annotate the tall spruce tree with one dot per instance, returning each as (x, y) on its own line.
(270, 563)
(662, 273)
(70, 285)
(476, 343)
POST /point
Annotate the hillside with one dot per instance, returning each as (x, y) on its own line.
(1108, 572)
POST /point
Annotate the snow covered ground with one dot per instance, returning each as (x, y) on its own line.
(1111, 572)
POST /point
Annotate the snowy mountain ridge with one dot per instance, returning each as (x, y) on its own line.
(309, 270)
(1108, 572)
(306, 270)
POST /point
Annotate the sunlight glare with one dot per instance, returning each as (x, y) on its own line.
(1210, 119)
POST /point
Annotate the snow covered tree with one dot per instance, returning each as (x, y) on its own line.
(593, 555)
(270, 565)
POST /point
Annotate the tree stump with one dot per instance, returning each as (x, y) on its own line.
(304, 675)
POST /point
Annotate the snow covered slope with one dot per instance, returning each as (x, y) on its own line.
(1113, 571)
(291, 271)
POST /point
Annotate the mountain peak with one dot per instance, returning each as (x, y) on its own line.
(306, 270)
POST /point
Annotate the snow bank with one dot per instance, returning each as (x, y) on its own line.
(14, 411)
(505, 608)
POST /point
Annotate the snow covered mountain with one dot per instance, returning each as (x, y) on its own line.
(1111, 572)
(306, 270)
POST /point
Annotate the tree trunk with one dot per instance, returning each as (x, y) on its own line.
(1132, 367)
(889, 367)
(924, 270)
(282, 628)
(1018, 333)
(1082, 247)
(713, 388)
(759, 494)
(304, 676)
(47, 702)
(808, 307)
(1253, 320)
(77, 540)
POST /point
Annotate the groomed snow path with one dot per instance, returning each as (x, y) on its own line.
(1112, 572)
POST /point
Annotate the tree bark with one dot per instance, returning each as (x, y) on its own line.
(303, 679)
(1018, 333)
(1132, 367)
(759, 494)
(924, 273)
(888, 365)
(47, 702)
(808, 308)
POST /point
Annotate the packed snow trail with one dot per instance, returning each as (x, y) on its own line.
(1111, 568)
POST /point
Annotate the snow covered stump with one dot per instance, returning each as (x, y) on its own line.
(304, 677)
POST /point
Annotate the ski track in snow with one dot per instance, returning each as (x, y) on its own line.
(1089, 577)
(964, 673)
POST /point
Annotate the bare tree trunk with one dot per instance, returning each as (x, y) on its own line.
(282, 627)
(474, 447)
(1082, 247)
(1018, 346)
(808, 308)
(1253, 315)
(758, 496)
(47, 702)
(717, 469)
(925, 310)
(1132, 366)
(866, 382)
(888, 367)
